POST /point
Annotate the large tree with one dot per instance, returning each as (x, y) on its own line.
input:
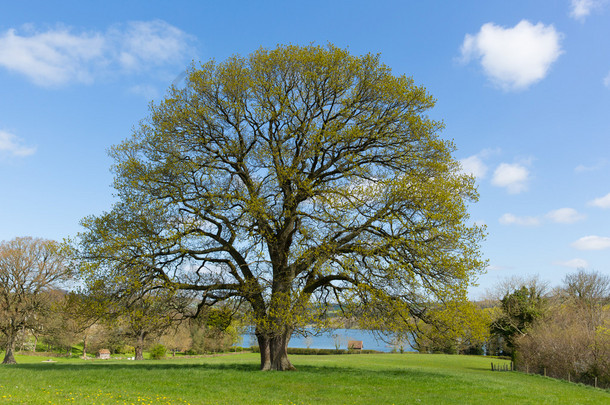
(30, 269)
(286, 180)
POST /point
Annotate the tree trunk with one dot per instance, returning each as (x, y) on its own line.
(85, 347)
(140, 348)
(274, 353)
(139, 355)
(263, 344)
(23, 339)
(9, 358)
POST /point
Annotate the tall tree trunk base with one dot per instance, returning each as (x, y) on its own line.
(274, 352)
(139, 354)
(9, 358)
(85, 348)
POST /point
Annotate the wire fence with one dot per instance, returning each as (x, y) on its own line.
(573, 377)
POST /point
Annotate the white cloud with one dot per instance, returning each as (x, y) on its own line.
(592, 242)
(514, 58)
(52, 57)
(498, 268)
(607, 80)
(580, 9)
(601, 202)
(60, 56)
(513, 177)
(13, 146)
(510, 219)
(565, 216)
(474, 165)
(152, 42)
(574, 263)
(562, 216)
(592, 168)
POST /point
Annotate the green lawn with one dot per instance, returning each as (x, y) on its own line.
(334, 379)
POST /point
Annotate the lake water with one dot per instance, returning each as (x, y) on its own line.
(327, 340)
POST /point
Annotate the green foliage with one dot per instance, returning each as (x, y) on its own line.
(453, 327)
(123, 349)
(219, 318)
(157, 352)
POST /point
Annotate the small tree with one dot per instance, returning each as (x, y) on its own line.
(158, 352)
(337, 340)
(177, 338)
(145, 318)
(308, 341)
(29, 270)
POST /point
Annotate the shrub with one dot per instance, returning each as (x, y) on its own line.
(157, 352)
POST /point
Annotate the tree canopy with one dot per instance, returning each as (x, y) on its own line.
(287, 180)
(30, 270)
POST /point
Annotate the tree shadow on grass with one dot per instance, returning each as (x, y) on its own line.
(132, 366)
(250, 368)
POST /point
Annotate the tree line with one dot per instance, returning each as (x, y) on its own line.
(562, 331)
(43, 307)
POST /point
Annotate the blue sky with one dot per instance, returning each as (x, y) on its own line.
(522, 86)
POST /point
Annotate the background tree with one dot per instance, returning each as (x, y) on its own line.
(178, 338)
(74, 317)
(513, 306)
(141, 316)
(573, 339)
(289, 180)
(57, 328)
(29, 270)
(455, 327)
(214, 331)
(130, 312)
(519, 310)
(588, 292)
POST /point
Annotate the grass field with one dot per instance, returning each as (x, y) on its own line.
(333, 379)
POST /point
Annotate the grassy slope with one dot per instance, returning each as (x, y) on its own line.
(346, 379)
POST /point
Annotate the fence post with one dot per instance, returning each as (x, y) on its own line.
(492, 366)
(527, 369)
(595, 382)
(545, 371)
(569, 377)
